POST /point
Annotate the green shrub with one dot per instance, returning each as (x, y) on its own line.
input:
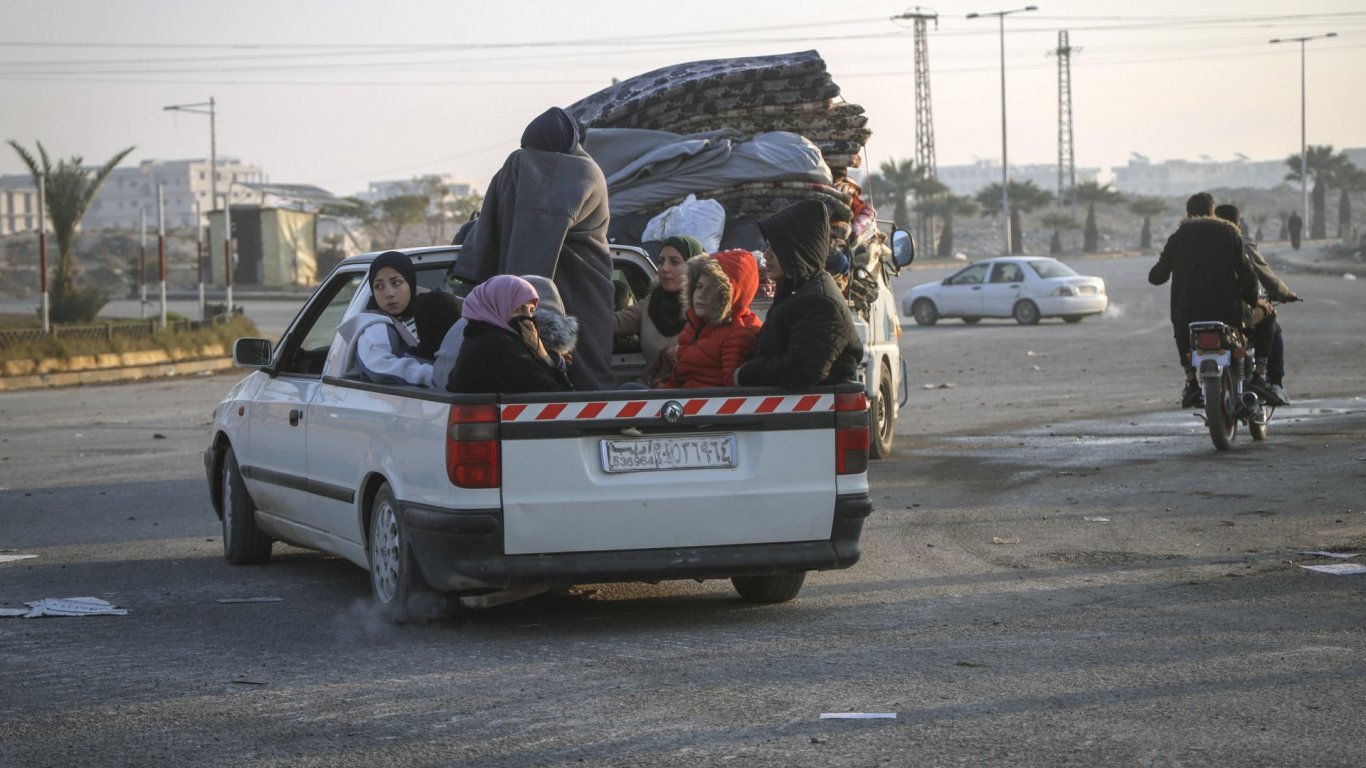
(171, 340)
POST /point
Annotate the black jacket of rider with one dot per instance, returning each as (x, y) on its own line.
(1212, 278)
(809, 336)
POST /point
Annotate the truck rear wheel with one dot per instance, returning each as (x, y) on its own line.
(773, 588)
(881, 422)
(402, 595)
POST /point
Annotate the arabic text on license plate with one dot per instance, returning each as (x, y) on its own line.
(673, 452)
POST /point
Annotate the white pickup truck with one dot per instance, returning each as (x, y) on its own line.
(477, 496)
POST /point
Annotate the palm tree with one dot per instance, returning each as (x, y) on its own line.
(1059, 222)
(1091, 192)
(899, 180)
(1024, 198)
(947, 207)
(1147, 207)
(1327, 169)
(1352, 180)
(68, 188)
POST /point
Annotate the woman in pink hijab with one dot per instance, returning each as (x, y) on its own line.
(502, 351)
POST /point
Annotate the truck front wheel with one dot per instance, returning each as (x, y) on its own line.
(881, 421)
(773, 588)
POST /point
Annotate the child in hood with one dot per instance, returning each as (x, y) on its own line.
(721, 330)
(385, 334)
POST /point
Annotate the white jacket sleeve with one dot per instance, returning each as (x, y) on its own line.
(376, 357)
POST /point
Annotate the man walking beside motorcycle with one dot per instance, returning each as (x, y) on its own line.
(1211, 279)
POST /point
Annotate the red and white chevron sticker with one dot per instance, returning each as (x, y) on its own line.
(630, 409)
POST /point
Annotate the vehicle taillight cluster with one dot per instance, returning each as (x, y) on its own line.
(851, 433)
(472, 446)
(1208, 340)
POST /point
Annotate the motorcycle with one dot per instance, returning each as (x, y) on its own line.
(1224, 364)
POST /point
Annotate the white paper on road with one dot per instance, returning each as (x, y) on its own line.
(858, 715)
(64, 606)
(1096, 519)
(251, 599)
(12, 558)
(1337, 569)
(1341, 555)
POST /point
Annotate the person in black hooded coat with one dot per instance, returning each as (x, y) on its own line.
(545, 213)
(808, 337)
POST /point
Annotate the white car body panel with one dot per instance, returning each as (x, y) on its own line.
(998, 298)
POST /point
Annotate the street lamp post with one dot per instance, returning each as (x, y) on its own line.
(1304, 147)
(199, 109)
(1005, 158)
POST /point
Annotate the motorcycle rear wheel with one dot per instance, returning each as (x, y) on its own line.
(1219, 409)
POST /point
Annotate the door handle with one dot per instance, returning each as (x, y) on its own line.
(294, 415)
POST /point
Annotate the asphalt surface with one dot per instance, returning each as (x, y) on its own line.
(999, 623)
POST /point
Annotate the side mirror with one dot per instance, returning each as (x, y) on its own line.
(251, 353)
(903, 248)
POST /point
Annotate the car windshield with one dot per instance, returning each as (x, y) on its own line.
(1051, 268)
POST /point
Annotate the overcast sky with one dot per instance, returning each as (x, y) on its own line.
(340, 92)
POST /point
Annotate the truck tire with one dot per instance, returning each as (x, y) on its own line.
(243, 542)
(400, 592)
(773, 588)
(881, 424)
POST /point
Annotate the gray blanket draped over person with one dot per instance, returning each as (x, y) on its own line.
(545, 213)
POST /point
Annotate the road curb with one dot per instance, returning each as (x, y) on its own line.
(160, 370)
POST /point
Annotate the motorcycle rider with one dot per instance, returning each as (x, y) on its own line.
(1267, 336)
(1212, 279)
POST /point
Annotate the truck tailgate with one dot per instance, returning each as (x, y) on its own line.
(666, 470)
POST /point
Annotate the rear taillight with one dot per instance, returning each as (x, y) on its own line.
(472, 446)
(851, 433)
(1208, 340)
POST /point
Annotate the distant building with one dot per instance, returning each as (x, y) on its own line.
(1177, 178)
(18, 204)
(274, 247)
(383, 190)
(968, 180)
(128, 192)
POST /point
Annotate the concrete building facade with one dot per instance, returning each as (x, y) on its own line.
(18, 204)
(127, 192)
(968, 180)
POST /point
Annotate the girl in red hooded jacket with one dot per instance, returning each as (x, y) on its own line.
(721, 330)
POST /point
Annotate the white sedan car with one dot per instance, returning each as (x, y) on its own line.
(1023, 287)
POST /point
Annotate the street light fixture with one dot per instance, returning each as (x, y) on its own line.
(1005, 159)
(199, 109)
(1304, 148)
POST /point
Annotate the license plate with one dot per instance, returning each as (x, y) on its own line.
(648, 454)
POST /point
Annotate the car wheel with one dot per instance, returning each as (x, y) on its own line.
(880, 420)
(400, 592)
(972, 320)
(774, 588)
(243, 542)
(1026, 312)
(924, 312)
(1073, 318)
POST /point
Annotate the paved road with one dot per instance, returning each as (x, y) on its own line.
(995, 620)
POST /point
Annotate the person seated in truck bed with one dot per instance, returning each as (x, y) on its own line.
(545, 212)
(721, 330)
(808, 337)
(386, 333)
(658, 318)
(502, 350)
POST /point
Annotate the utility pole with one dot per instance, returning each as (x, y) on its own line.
(199, 254)
(161, 250)
(924, 114)
(42, 251)
(1067, 166)
(142, 264)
